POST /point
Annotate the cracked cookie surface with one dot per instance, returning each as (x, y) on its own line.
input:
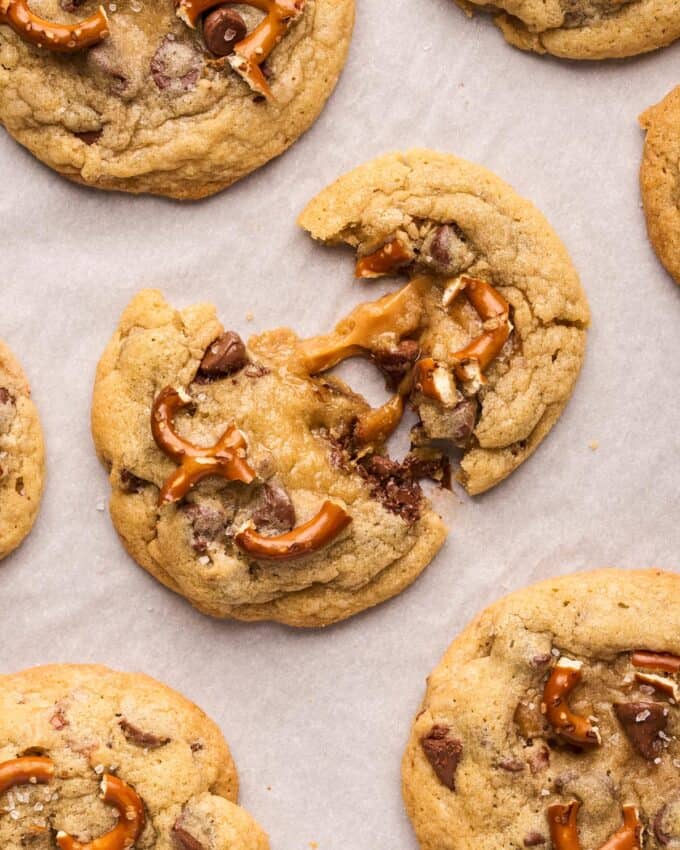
(585, 29)
(21, 455)
(90, 721)
(150, 109)
(291, 427)
(451, 219)
(485, 766)
(660, 179)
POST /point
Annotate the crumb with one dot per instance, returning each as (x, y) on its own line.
(594, 445)
(313, 845)
(249, 316)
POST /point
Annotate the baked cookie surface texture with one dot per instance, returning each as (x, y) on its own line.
(501, 337)
(173, 99)
(92, 759)
(553, 721)
(660, 179)
(230, 477)
(585, 29)
(21, 455)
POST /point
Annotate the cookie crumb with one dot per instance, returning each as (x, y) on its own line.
(594, 445)
(249, 316)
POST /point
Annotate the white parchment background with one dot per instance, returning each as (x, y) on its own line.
(318, 720)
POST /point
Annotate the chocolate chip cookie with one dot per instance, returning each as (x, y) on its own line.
(660, 179)
(178, 99)
(553, 721)
(92, 759)
(21, 455)
(489, 350)
(585, 29)
(249, 481)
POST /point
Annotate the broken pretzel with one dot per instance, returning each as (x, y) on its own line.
(227, 458)
(50, 35)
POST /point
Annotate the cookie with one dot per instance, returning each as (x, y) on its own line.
(585, 29)
(501, 333)
(21, 455)
(249, 485)
(88, 754)
(174, 99)
(553, 721)
(660, 179)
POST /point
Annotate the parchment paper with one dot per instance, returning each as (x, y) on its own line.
(318, 720)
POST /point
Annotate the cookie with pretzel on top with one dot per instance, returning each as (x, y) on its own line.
(172, 97)
(257, 484)
(94, 759)
(552, 721)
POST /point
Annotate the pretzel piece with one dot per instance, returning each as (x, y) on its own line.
(250, 53)
(663, 661)
(494, 311)
(572, 727)
(61, 38)
(564, 829)
(227, 458)
(386, 260)
(130, 824)
(307, 538)
(25, 770)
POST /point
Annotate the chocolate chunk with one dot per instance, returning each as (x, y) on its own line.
(183, 841)
(428, 463)
(444, 754)
(445, 252)
(511, 765)
(392, 486)
(666, 824)
(273, 510)
(539, 760)
(176, 66)
(5, 396)
(642, 722)
(225, 356)
(208, 525)
(89, 137)
(132, 483)
(395, 362)
(58, 720)
(223, 28)
(462, 421)
(71, 5)
(106, 59)
(137, 736)
(534, 839)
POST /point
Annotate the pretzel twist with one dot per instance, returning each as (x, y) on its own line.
(564, 829)
(25, 770)
(307, 538)
(116, 793)
(250, 53)
(493, 309)
(227, 458)
(61, 38)
(578, 730)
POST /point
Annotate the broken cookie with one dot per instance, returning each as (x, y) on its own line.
(21, 455)
(585, 29)
(607, 776)
(494, 317)
(173, 98)
(90, 759)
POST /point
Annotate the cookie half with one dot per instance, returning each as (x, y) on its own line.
(231, 480)
(553, 721)
(85, 750)
(178, 99)
(660, 179)
(585, 29)
(500, 337)
(21, 455)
